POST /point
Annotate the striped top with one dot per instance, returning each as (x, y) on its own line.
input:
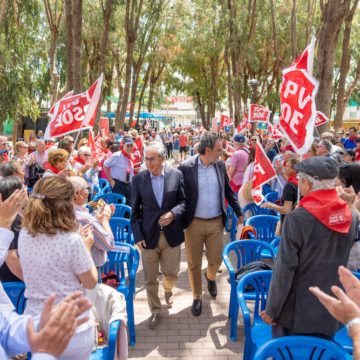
(103, 241)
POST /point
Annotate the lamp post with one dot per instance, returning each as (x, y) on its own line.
(254, 84)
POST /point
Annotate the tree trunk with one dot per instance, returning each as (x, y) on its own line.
(3, 10)
(134, 84)
(55, 78)
(69, 45)
(151, 89)
(143, 90)
(77, 31)
(294, 45)
(334, 13)
(226, 58)
(202, 110)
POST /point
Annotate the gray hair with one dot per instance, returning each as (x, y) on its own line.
(3, 138)
(77, 182)
(8, 185)
(38, 141)
(196, 146)
(327, 145)
(317, 185)
(9, 168)
(291, 153)
(207, 141)
(241, 144)
(158, 146)
(328, 135)
(83, 149)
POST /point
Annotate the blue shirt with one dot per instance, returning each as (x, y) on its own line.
(119, 164)
(157, 183)
(118, 137)
(177, 144)
(350, 144)
(279, 182)
(209, 200)
(271, 154)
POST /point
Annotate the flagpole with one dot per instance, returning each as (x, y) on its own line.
(317, 131)
(298, 195)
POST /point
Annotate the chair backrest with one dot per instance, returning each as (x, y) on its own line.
(122, 211)
(121, 254)
(265, 226)
(111, 198)
(356, 274)
(121, 229)
(256, 210)
(260, 280)
(103, 183)
(96, 191)
(266, 189)
(272, 197)
(301, 347)
(106, 190)
(15, 291)
(276, 242)
(247, 251)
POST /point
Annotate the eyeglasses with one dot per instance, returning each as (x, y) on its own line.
(319, 146)
(253, 139)
(24, 147)
(87, 155)
(87, 188)
(151, 160)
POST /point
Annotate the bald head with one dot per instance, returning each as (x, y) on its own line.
(79, 185)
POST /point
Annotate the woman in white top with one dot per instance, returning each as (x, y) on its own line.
(55, 258)
(31, 142)
(248, 176)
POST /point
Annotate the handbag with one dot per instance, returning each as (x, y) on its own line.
(35, 170)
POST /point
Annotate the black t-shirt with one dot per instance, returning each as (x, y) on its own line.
(290, 193)
(5, 273)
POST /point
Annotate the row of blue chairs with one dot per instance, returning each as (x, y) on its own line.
(124, 261)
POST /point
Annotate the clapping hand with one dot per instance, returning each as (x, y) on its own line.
(104, 213)
(346, 194)
(10, 207)
(86, 233)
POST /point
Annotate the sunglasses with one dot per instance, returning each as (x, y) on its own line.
(87, 155)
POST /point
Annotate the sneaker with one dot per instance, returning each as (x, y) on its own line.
(211, 286)
(169, 297)
(154, 321)
(196, 307)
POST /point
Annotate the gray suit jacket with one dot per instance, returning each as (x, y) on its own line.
(309, 255)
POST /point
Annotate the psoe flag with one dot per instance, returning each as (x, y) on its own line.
(259, 113)
(263, 172)
(72, 113)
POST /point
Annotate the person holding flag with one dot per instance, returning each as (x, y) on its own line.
(122, 170)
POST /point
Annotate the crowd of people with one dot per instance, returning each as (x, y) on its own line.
(179, 193)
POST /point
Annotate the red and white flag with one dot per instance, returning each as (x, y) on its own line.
(320, 118)
(95, 146)
(263, 173)
(72, 113)
(201, 128)
(226, 121)
(230, 149)
(297, 95)
(241, 126)
(259, 113)
(275, 133)
(147, 125)
(136, 154)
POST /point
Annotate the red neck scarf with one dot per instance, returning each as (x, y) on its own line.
(52, 168)
(292, 179)
(77, 159)
(127, 156)
(329, 209)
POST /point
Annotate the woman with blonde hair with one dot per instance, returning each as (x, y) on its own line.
(31, 141)
(57, 163)
(56, 259)
(83, 142)
(23, 157)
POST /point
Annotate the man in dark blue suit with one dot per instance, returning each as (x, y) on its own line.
(207, 186)
(158, 203)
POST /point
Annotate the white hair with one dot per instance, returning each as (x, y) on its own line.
(158, 146)
(240, 143)
(83, 149)
(291, 153)
(38, 141)
(3, 138)
(316, 184)
(77, 182)
(196, 146)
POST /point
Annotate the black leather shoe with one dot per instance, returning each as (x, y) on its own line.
(211, 286)
(196, 307)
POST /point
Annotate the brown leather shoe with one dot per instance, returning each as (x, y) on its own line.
(154, 321)
(169, 297)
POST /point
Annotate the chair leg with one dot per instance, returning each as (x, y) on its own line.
(234, 319)
(131, 318)
(230, 303)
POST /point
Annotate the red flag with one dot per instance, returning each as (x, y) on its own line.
(263, 172)
(241, 126)
(128, 106)
(201, 128)
(230, 149)
(226, 121)
(49, 145)
(147, 125)
(95, 146)
(73, 113)
(297, 94)
(136, 154)
(133, 123)
(320, 118)
(259, 113)
(178, 98)
(275, 133)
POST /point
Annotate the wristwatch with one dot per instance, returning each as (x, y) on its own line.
(273, 206)
(351, 323)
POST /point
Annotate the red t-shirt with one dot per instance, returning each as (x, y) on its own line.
(183, 140)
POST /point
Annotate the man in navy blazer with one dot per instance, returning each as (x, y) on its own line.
(158, 204)
(207, 186)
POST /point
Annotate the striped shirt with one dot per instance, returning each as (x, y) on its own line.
(103, 241)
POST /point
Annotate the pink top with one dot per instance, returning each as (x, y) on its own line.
(183, 140)
(103, 175)
(239, 160)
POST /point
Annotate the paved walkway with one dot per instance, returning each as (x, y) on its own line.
(181, 335)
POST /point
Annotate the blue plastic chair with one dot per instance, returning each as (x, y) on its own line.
(265, 226)
(108, 353)
(192, 151)
(256, 210)
(260, 333)
(29, 190)
(122, 211)
(107, 190)
(246, 252)
(272, 197)
(229, 212)
(111, 198)
(301, 348)
(15, 291)
(121, 254)
(96, 191)
(121, 230)
(266, 189)
(103, 183)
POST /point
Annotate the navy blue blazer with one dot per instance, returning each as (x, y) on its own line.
(146, 211)
(189, 168)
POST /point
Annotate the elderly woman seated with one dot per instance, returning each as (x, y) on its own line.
(57, 163)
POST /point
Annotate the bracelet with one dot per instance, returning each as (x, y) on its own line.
(274, 206)
(351, 323)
